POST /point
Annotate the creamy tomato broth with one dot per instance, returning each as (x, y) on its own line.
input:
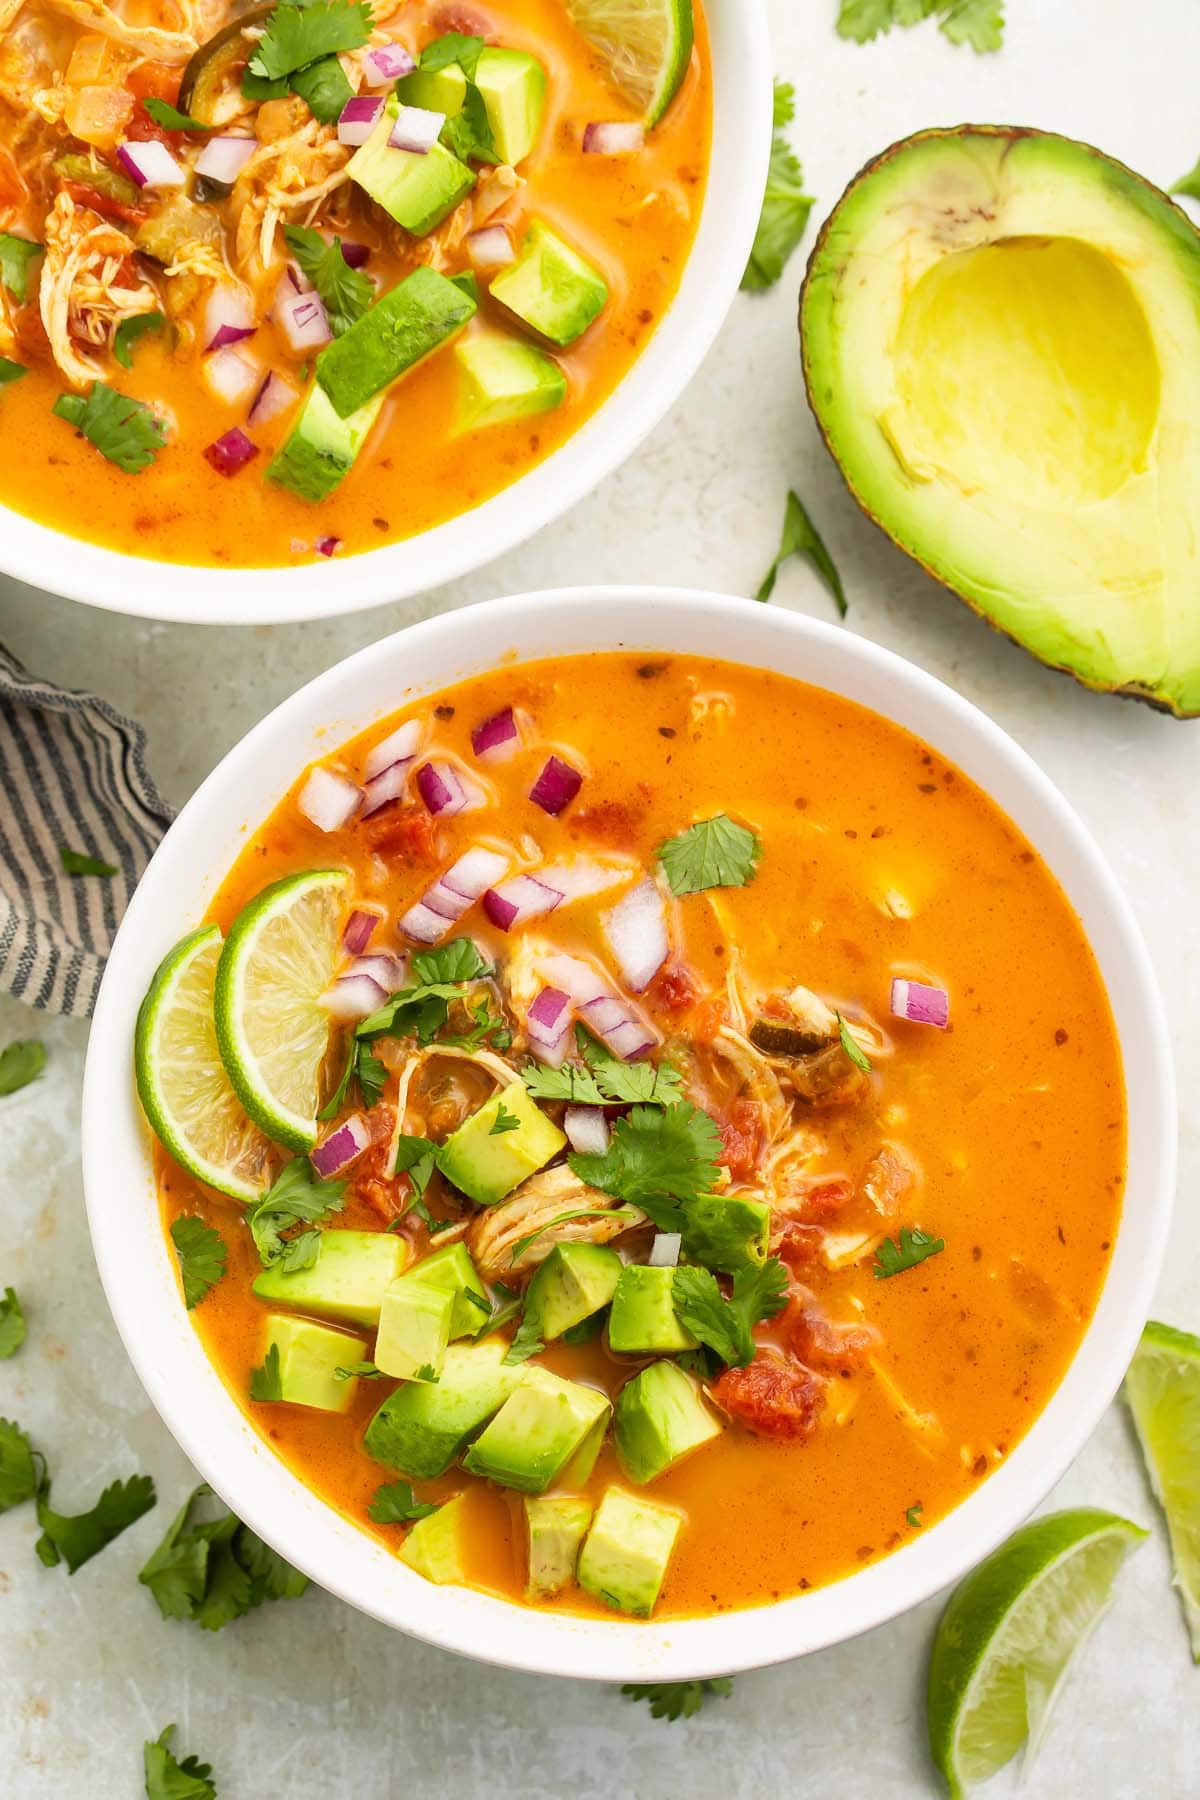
(127, 264)
(937, 1205)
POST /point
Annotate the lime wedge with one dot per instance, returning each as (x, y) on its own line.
(1011, 1632)
(1163, 1391)
(647, 45)
(181, 1079)
(278, 960)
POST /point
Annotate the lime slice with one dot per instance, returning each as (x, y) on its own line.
(1163, 1391)
(181, 1079)
(647, 45)
(1011, 1632)
(278, 960)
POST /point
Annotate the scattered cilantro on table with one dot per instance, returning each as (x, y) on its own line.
(266, 1382)
(605, 1080)
(75, 1539)
(16, 254)
(396, 1504)
(201, 1252)
(299, 1196)
(678, 1699)
(77, 862)
(169, 117)
(913, 1248)
(344, 292)
(169, 1779)
(979, 23)
(18, 1469)
(130, 332)
(801, 538)
(726, 1325)
(1189, 184)
(786, 206)
(12, 1324)
(657, 1160)
(20, 1063)
(715, 852)
(213, 1570)
(852, 1047)
(126, 432)
(10, 370)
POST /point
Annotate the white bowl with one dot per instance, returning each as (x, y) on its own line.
(133, 1255)
(742, 106)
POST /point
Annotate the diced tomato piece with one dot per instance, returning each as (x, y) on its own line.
(822, 1344)
(406, 831)
(157, 81)
(610, 822)
(741, 1137)
(674, 988)
(816, 1199)
(772, 1397)
(799, 1243)
(104, 204)
(708, 1019)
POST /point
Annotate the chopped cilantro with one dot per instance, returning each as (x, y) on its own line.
(801, 538)
(170, 118)
(18, 1471)
(214, 1570)
(428, 1373)
(300, 1252)
(506, 1305)
(266, 1384)
(913, 1515)
(488, 1029)
(604, 1080)
(21, 1063)
(396, 1504)
(76, 1539)
(527, 1340)
(169, 1779)
(504, 1121)
(580, 1212)
(677, 1699)
(345, 293)
(201, 1252)
(12, 1324)
(1187, 184)
(359, 1371)
(422, 1008)
(657, 1160)
(367, 1070)
(298, 1197)
(453, 47)
(297, 36)
(10, 370)
(16, 254)
(468, 132)
(75, 862)
(130, 332)
(127, 432)
(785, 204)
(726, 1325)
(852, 1047)
(416, 1157)
(979, 23)
(713, 853)
(913, 1248)
(324, 89)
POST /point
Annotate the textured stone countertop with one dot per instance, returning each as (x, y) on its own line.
(309, 1701)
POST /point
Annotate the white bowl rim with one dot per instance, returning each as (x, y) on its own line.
(147, 588)
(131, 1251)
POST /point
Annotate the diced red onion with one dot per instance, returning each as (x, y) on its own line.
(524, 897)
(353, 997)
(416, 129)
(920, 1004)
(358, 119)
(664, 1251)
(496, 738)
(341, 1147)
(452, 894)
(613, 1020)
(327, 546)
(490, 247)
(617, 137)
(356, 256)
(475, 871)
(150, 164)
(556, 786)
(230, 376)
(274, 396)
(636, 930)
(382, 967)
(229, 304)
(423, 926)
(587, 1129)
(291, 283)
(387, 786)
(399, 745)
(223, 158)
(328, 800)
(444, 791)
(229, 334)
(548, 1025)
(387, 63)
(304, 323)
(583, 877)
(360, 928)
(231, 451)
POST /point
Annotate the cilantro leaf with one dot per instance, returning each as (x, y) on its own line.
(367, 1070)
(16, 254)
(300, 1252)
(12, 1324)
(126, 432)
(10, 370)
(266, 1383)
(726, 1326)
(713, 853)
(18, 1472)
(169, 1779)
(214, 1570)
(76, 1539)
(504, 1121)
(506, 1305)
(488, 1029)
(345, 293)
(913, 1248)
(468, 132)
(130, 331)
(359, 1371)
(913, 1515)
(201, 1252)
(655, 1160)
(527, 1340)
(324, 89)
(21, 1063)
(785, 208)
(677, 1699)
(298, 1197)
(979, 23)
(604, 1079)
(297, 36)
(396, 1504)
(416, 1157)
(852, 1047)
(76, 862)
(170, 118)
(580, 1212)
(453, 47)
(1187, 184)
(422, 1008)
(801, 538)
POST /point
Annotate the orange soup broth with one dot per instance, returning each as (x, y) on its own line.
(878, 858)
(634, 217)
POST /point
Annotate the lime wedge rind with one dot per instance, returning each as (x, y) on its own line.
(647, 45)
(1162, 1390)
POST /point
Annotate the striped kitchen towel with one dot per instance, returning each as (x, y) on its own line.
(73, 778)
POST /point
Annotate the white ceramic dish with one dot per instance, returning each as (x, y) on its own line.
(132, 1251)
(742, 74)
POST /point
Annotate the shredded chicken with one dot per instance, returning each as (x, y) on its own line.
(194, 21)
(86, 288)
(536, 1203)
(889, 1179)
(286, 178)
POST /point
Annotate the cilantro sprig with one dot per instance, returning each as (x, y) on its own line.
(169, 1779)
(130, 332)
(298, 1197)
(979, 23)
(18, 1468)
(212, 1569)
(913, 1247)
(266, 1381)
(468, 132)
(396, 1504)
(344, 292)
(726, 1325)
(20, 1063)
(715, 852)
(201, 1252)
(365, 1068)
(12, 1324)
(678, 1699)
(801, 538)
(527, 1339)
(786, 206)
(169, 117)
(125, 432)
(422, 1008)
(657, 1160)
(76, 1538)
(299, 35)
(604, 1080)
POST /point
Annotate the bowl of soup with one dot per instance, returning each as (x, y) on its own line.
(687, 1113)
(280, 342)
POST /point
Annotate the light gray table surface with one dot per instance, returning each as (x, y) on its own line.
(308, 1700)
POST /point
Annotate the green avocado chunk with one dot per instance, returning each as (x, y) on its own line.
(513, 85)
(418, 191)
(726, 1233)
(625, 1554)
(347, 1282)
(659, 1419)
(309, 1357)
(500, 379)
(434, 1546)
(574, 1282)
(400, 330)
(434, 90)
(452, 1268)
(555, 1525)
(537, 1432)
(414, 1329)
(1000, 332)
(643, 1320)
(320, 449)
(550, 287)
(422, 1428)
(487, 1163)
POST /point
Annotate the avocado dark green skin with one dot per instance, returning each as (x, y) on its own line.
(1014, 133)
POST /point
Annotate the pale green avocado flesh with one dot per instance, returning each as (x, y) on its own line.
(1001, 333)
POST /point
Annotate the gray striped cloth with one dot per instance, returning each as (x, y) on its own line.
(73, 776)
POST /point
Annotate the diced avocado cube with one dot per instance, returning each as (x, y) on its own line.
(643, 1321)
(660, 1418)
(574, 1282)
(419, 191)
(421, 1429)
(487, 1163)
(352, 1273)
(400, 330)
(436, 90)
(320, 449)
(309, 1357)
(551, 287)
(414, 1329)
(578, 1472)
(555, 1524)
(726, 1233)
(625, 1554)
(500, 378)
(513, 85)
(537, 1431)
(468, 281)
(453, 1269)
(434, 1546)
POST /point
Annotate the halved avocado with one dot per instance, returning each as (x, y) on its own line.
(1001, 343)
